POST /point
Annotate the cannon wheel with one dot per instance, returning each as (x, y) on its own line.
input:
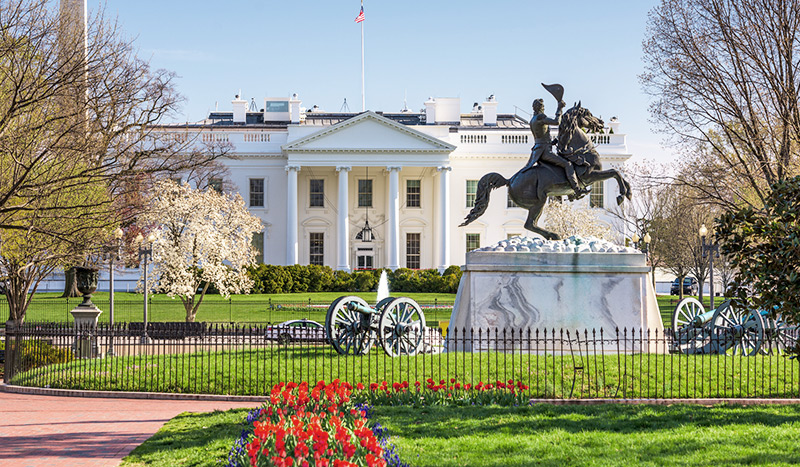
(349, 331)
(736, 332)
(688, 338)
(401, 327)
(685, 312)
(781, 336)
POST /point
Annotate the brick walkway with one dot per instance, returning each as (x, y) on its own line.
(81, 431)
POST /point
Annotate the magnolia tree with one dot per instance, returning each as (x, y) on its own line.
(567, 221)
(201, 238)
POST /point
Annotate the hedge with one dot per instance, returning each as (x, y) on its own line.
(272, 279)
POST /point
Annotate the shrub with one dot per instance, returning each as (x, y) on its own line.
(37, 353)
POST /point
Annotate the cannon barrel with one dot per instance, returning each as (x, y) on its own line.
(355, 306)
(703, 318)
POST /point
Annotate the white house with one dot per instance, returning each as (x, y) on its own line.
(318, 179)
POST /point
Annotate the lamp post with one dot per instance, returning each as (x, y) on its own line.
(145, 253)
(710, 250)
(642, 245)
(113, 255)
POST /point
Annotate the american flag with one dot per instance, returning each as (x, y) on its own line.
(360, 16)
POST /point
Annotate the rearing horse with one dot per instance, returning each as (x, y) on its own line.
(531, 187)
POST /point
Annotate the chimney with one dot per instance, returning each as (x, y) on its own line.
(614, 125)
(490, 111)
(294, 109)
(239, 109)
(430, 111)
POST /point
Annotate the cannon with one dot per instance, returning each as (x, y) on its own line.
(726, 330)
(398, 324)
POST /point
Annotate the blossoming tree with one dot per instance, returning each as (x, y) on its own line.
(567, 221)
(201, 238)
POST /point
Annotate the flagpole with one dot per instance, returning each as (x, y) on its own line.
(363, 95)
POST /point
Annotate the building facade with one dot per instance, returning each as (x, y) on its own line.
(372, 189)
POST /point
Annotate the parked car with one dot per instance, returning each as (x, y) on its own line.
(297, 330)
(690, 286)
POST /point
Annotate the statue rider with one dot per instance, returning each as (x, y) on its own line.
(542, 145)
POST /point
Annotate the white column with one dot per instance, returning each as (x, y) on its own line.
(393, 246)
(444, 217)
(292, 247)
(343, 221)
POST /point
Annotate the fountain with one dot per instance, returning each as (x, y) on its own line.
(383, 287)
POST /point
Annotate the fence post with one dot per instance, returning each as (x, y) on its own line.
(230, 312)
(8, 370)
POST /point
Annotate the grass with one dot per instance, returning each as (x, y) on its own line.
(547, 435)
(605, 435)
(252, 371)
(191, 439)
(259, 308)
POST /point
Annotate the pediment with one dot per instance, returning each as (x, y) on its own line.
(368, 132)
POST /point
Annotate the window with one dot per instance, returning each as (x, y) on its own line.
(412, 250)
(257, 192)
(215, 184)
(472, 188)
(258, 244)
(317, 248)
(413, 192)
(473, 241)
(178, 181)
(510, 203)
(596, 196)
(365, 193)
(317, 193)
(512, 235)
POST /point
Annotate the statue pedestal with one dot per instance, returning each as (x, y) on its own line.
(85, 345)
(573, 290)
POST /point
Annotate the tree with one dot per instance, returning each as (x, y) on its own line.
(202, 238)
(564, 220)
(78, 134)
(647, 206)
(725, 79)
(763, 245)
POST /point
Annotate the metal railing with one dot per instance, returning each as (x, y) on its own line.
(214, 358)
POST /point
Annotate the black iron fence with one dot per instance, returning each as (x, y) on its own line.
(215, 358)
(213, 309)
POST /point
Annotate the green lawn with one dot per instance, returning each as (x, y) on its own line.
(602, 435)
(191, 439)
(261, 308)
(227, 370)
(273, 308)
(605, 435)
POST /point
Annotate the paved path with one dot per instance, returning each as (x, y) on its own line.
(82, 431)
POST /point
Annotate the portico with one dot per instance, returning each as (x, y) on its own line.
(384, 175)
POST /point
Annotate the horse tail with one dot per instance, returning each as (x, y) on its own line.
(486, 184)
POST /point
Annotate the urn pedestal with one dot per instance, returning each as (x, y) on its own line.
(86, 314)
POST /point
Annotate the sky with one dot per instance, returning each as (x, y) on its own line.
(414, 50)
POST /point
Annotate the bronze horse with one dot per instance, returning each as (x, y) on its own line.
(530, 188)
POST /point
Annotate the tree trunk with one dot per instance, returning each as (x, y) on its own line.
(70, 284)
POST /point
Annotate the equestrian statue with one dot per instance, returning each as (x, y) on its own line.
(569, 172)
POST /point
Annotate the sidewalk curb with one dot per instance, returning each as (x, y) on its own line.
(259, 399)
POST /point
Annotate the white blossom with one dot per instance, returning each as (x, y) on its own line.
(201, 238)
(567, 221)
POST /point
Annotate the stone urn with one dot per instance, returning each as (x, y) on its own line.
(86, 279)
(86, 313)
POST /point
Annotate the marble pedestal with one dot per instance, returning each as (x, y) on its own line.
(516, 291)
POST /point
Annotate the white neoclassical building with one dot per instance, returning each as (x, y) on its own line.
(372, 189)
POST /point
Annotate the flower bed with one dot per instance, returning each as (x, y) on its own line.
(302, 426)
(328, 425)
